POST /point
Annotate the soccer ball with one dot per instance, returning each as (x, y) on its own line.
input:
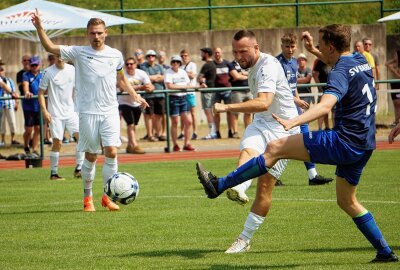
(122, 187)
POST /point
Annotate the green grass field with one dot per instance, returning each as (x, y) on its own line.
(172, 225)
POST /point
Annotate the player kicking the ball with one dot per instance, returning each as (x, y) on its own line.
(349, 145)
(98, 69)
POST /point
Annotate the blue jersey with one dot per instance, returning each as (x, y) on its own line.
(352, 82)
(31, 104)
(290, 67)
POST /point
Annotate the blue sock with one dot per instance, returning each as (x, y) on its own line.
(366, 224)
(252, 168)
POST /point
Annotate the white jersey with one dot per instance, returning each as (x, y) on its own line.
(191, 67)
(96, 77)
(60, 85)
(267, 76)
(140, 78)
(179, 78)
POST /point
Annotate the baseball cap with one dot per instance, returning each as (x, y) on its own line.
(151, 52)
(302, 55)
(35, 60)
(176, 58)
(207, 50)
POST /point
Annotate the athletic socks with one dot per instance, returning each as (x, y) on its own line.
(54, 157)
(252, 224)
(312, 172)
(88, 173)
(109, 168)
(249, 170)
(366, 224)
(79, 157)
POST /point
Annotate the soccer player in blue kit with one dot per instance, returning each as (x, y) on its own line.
(348, 145)
(290, 66)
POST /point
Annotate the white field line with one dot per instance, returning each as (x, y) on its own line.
(4, 206)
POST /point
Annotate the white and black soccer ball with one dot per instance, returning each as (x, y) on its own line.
(122, 187)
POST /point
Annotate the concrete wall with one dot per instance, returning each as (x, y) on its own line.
(12, 49)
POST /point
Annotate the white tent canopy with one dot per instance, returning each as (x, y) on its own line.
(56, 19)
(395, 16)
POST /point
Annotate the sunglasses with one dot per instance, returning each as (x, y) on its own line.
(26, 60)
(184, 55)
(172, 62)
(369, 44)
(129, 64)
(34, 65)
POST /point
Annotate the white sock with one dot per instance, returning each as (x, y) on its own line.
(54, 157)
(79, 157)
(213, 129)
(243, 186)
(110, 167)
(312, 173)
(252, 224)
(88, 173)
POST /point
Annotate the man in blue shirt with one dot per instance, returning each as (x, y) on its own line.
(30, 85)
(290, 66)
(349, 145)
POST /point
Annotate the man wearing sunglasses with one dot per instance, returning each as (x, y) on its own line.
(30, 86)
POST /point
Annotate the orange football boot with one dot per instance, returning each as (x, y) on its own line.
(106, 202)
(88, 205)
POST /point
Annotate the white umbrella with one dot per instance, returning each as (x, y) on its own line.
(395, 16)
(56, 19)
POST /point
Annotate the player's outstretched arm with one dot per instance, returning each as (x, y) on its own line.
(394, 132)
(259, 104)
(48, 45)
(320, 109)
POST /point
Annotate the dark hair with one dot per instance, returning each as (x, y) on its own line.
(244, 33)
(95, 21)
(338, 35)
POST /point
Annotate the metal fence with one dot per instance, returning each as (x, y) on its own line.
(210, 7)
(202, 90)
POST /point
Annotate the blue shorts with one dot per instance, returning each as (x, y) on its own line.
(178, 105)
(326, 147)
(191, 100)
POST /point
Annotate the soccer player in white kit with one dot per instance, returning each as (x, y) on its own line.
(272, 95)
(58, 81)
(98, 69)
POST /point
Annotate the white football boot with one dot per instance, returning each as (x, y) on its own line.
(237, 196)
(239, 246)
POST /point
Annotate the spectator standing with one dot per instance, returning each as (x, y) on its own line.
(239, 78)
(359, 47)
(394, 67)
(206, 79)
(25, 67)
(320, 73)
(129, 108)
(153, 115)
(222, 80)
(191, 69)
(304, 76)
(9, 106)
(162, 58)
(139, 56)
(368, 45)
(58, 81)
(177, 79)
(30, 84)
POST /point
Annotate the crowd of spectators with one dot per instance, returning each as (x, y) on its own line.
(147, 71)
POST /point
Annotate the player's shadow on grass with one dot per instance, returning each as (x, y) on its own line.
(185, 253)
(43, 212)
(329, 250)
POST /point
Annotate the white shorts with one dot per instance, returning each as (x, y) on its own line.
(58, 126)
(257, 136)
(97, 128)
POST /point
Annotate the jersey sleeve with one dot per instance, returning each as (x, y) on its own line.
(69, 53)
(44, 82)
(120, 64)
(337, 84)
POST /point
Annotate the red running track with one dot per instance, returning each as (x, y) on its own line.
(155, 157)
